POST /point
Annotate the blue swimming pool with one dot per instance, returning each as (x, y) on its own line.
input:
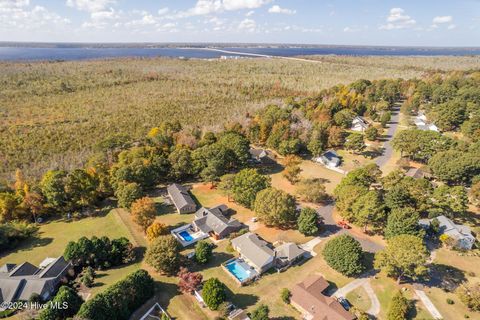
(185, 236)
(239, 269)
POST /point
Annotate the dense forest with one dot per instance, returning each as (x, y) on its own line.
(57, 114)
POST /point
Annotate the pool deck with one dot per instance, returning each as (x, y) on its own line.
(197, 236)
(253, 274)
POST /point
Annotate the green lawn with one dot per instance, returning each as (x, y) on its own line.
(54, 236)
(359, 298)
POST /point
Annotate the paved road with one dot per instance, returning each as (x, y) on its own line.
(259, 55)
(387, 147)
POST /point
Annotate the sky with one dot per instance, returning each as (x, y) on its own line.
(338, 22)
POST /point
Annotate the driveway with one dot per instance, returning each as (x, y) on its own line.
(330, 227)
(365, 283)
(428, 304)
(310, 245)
(387, 146)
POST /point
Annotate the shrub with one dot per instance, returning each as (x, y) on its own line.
(203, 252)
(121, 299)
(99, 252)
(345, 255)
(470, 296)
(260, 313)
(398, 308)
(11, 234)
(285, 294)
(307, 222)
(214, 293)
(65, 295)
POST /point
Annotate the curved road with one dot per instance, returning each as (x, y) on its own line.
(326, 211)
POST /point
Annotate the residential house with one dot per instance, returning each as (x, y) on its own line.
(262, 256)
(288, 254)
(329, 158)
(422, 123)
(20, 282)
(416, 173)
(262, 156)
(359, 124)
(181, 198)
(308, 298)
(461, 235)
(214, 223)
(256, 252)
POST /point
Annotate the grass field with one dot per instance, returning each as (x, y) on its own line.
(54, 236)
(359, 299)
(53, 114)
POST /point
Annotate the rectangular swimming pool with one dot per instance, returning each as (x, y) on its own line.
(185, 236)
(240, 270)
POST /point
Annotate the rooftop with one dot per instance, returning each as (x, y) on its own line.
(180, 195)
(308, 295)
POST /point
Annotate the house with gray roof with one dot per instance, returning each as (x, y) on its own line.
(262, 256)
(19, 282)
(213, 222)
(181, 198)
(330, 159)
(262, 156)
(462, 235)
(287, 254)
(359, 124)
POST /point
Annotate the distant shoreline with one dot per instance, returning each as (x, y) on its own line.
(147, 45)
(70, 52)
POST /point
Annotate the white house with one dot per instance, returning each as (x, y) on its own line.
(359, 124)
(462, 235)
(422, 123)
(329, 158)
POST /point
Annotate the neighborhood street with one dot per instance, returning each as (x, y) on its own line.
(387, 146)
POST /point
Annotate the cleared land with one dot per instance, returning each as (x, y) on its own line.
(53, 114)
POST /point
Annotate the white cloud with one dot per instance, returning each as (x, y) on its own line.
(278, 9)
(249, 13)
(247, 25)
(90, 5)
(442, 19)
(14, 3)
(18, 15)
(163, 11)
(397, 19)
(205, 7)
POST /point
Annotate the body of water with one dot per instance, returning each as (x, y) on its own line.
(82, 53)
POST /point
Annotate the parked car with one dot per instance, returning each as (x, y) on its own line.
(344, 224)
(345, 303)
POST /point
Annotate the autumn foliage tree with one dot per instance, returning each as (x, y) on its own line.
(189, 281)
(292, 168)
(143, 212)
(155, 230)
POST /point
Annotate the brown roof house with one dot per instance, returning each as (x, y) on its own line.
(181, 198)
(19, 282)
(308, 298)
